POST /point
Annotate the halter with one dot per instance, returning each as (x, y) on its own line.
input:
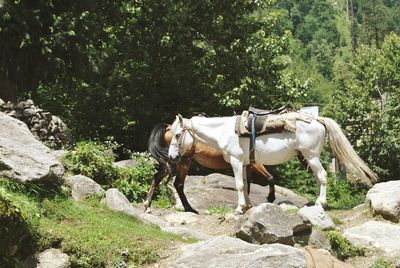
(181, 139)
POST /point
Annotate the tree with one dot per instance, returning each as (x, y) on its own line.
(367, 105)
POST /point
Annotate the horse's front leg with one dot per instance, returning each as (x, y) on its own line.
(182, 171)
(241, 185)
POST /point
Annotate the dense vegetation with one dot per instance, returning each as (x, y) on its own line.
(112, 69)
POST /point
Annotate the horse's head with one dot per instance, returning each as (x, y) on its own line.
(182, 141)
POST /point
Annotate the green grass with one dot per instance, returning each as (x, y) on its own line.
(91, 234)
(381, 263)
(342, 248)
(214, 210)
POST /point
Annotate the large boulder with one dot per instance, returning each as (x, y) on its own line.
(219, 190)
(317, 216)
(83, 187)
(384, 199)
(268, 223)
(22, 157)
(376, 235)
(224, 251)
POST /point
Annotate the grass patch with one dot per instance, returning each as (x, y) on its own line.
(214, 210)
(342, 248)
(91, 234)
(381, 263)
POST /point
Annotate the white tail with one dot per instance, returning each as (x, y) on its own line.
(345, 153)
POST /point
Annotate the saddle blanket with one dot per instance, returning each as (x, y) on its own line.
(273, 123)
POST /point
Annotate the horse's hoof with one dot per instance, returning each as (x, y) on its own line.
(148, 210)
(192, 210)
(271, 199)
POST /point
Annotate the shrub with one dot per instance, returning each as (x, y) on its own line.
(134, 182)
(94, 160)
(342, 248)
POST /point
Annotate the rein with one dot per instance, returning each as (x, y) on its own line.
(181, 139)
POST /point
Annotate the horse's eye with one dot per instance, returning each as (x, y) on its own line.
(177, 135)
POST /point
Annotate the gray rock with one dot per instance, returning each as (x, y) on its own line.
(50, 258)
(317, 216)
(319, 240)
(24, 158)
(376, 235)
(125, 163)
(186, 232)
(115, 200)
(219, 190)
(83, 187)
(59, 154)
(224, 251)
(384, 199)
(181, 218)
(268, 223)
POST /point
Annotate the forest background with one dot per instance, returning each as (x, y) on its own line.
(113, 69)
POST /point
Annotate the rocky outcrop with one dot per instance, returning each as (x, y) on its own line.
(24, 158)
(224, 251)
(115, 200)
(43, 125)
(384, 199)
(317, 216)
(378, 236)
(268, 223)
(83, 187)
(219, 190)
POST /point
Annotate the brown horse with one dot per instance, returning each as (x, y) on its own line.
(203, 154)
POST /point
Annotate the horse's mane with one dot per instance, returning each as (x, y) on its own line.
(157, 146)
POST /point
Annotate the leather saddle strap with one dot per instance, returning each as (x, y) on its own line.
(253, 136)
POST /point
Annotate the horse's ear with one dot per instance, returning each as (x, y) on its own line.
(180, 119)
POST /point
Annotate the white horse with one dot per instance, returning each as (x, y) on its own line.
(271, 149)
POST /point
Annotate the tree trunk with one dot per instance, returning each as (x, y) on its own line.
(8, 90)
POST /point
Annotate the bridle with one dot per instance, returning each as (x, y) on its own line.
(180, 141)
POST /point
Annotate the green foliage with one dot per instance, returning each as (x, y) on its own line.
(94, 160)
(367, 106)
(342, 248)
(293, 175)
(381, 263)
(340, 193)
(134, 182)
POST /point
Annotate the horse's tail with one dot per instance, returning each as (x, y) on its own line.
(345, 153)
(157, 146)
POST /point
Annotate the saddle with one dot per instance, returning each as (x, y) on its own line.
(261, 122)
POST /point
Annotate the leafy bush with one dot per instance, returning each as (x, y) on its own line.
(342, 248)
(94, 160)
(134, 182)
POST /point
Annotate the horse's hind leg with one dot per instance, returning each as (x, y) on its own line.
(321, 175)
(158, 177)
(179, 183)
(260, 169)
